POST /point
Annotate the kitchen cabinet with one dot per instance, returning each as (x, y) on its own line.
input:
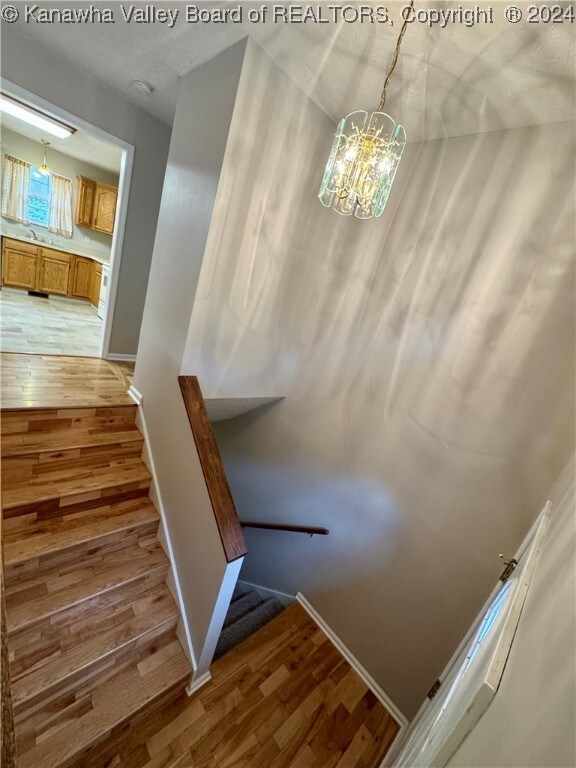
(97, 280)
(45, 270)
(53, 273)
(96, 205)
(19, 264)
(105, 209)
(85, 201)
(82, 278)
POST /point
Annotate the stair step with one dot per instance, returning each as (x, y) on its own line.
(59, 466)
(89, 528)
(242, 606)
(91, 622)
(36, 443)
(24, 462)
(45, 663)
(59, 735)
(239, 592)
(75, 484)
(81, 585)
(241, 629)
(89, 420)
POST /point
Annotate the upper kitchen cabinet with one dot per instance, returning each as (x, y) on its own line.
(85, 201)
(105, 208)
(96, 205)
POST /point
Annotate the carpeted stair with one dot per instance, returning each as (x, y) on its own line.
(248, 612)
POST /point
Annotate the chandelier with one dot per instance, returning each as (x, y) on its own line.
(43, 169)
(364, 158)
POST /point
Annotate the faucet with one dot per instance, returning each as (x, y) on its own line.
(34, 237)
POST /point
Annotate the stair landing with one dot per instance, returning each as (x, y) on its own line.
(54, 381)
(284, 697)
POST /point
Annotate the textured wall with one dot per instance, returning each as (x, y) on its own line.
(426, 357)
(32, 67)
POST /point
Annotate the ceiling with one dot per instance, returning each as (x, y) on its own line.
(81, 145)
(448, 82)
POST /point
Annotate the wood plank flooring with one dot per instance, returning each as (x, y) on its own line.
(56, 326)
(91, 622)
(285, 697)
(98, 672)
(46, 381)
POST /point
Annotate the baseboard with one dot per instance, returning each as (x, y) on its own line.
(195, 685)
(135, 394)
(283, 597)
(354, 663)
(117, 357)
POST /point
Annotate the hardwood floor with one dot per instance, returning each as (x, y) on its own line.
(97, 671)
(45, 381)
(285, 697)
(56, 326)
(90, 619)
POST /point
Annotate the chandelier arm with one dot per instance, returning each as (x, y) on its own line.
(394, 61)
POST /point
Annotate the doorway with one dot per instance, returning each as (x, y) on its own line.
(65, 194)
(473, 675)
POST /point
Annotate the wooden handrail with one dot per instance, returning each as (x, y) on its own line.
(309, 529)
(221, 499)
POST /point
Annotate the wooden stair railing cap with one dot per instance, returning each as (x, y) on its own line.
(221, 499)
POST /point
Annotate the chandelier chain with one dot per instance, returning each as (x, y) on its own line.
(394, 61)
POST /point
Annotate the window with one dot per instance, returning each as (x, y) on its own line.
(39, 197)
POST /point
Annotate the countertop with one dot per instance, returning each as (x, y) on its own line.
(78, 250)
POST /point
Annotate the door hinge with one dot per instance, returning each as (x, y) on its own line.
(434, 690)
(509, 569)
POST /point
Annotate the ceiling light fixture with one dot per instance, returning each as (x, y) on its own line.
(34, 117)
(365, 156)
(43, 169)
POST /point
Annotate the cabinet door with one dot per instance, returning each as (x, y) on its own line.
(82, 278)
(96, 284)
(105, 209)
(53, 272)
(19, 265)
(85, 202)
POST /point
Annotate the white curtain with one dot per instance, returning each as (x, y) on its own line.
(15, 189)
(61, 206)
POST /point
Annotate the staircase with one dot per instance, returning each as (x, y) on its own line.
(91, 623)
(248, 612)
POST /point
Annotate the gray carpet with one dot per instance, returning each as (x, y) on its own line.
(248, 612)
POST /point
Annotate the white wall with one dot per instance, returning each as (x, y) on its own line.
(531, 721)
(34, 68)
(32, 152)
(426, 359)
(205, 104)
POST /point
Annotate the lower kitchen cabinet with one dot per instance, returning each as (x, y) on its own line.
(95, 297)
(35, 268)
(19, 265)
(82, 278)
(53, 275)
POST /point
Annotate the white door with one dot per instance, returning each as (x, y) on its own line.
(472, 681)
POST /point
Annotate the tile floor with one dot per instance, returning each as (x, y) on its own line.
(48, 326)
